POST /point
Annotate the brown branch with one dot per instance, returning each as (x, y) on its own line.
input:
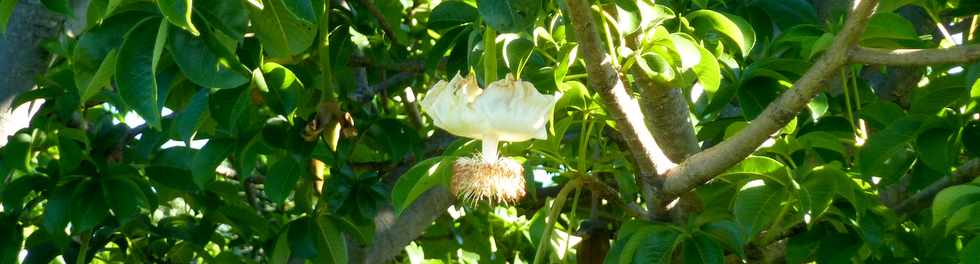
(369, 4)
(407, 66)
(703, 166)
(619, 104)
(598, 187)
(963, 174)
(915, 57)
(667, 116)
(364, 93)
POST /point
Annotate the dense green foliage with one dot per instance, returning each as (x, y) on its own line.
(308, 111)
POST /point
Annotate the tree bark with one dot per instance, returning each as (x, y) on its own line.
(668, 117)
(705, 165)
(23, 59)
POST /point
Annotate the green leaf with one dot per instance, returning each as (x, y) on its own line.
(172, 169)
(889, 26)
(820, 45)
(729, 234)
(281, 33)
(702, 249)
(623, 236)
(200, 64)
(970, 253)
(708, 72)
(937, 95)
(450, 14)
(187, 121)
(882, 113)
(758, 167)
(17, 152)
(302, 9)
(964, 218)
(12, 234)
(285, 90)
(446, 42)
(419, 179)
(281, 178)
(653, 244)
(6, 9)
(208, 159)
(136, 83)
(755, 95)
(884, 145)
(971, 137)
(69, 153)
(60, 6)
(756, 205)
(509, 16)
(817, 191)
(818, 106)
(229, 17)
(628, 17)
(892, 5)
(788, 13)
(951, 199)
(88, 207)
(58, 208)
(330, 242)
(688, 51)
(395, 138)
(735, 28)
(124, 197)
(280, 252)
(101, 79)
(652, 14)
(178, 12)
(518, 51)
(393, 11)
(937, 149)
(302, 233)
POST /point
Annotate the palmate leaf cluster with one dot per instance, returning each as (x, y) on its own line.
(275, 130)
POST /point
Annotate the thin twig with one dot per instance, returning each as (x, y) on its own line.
(369, 4)
(916, 57)
(963, 174)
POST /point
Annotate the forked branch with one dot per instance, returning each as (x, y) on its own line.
(705, 165)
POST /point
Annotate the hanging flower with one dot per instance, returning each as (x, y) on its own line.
(508, 110)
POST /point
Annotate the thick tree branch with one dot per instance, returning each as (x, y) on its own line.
(963, 174)
(915, 57)
(23, 59)
(702, 166)
(391, 234)
(667, 116)
(619, 104)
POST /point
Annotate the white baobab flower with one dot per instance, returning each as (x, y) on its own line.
(508, 110)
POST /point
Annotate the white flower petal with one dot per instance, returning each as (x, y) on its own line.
(515, 110)
(451, 108)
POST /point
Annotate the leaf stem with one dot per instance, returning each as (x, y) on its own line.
(572, 221)
(847, 100)
(85, 237)
(774, 228)
(553, 218)
(489, 56)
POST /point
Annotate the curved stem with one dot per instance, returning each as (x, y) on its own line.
(553, 218)
(82, 250)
